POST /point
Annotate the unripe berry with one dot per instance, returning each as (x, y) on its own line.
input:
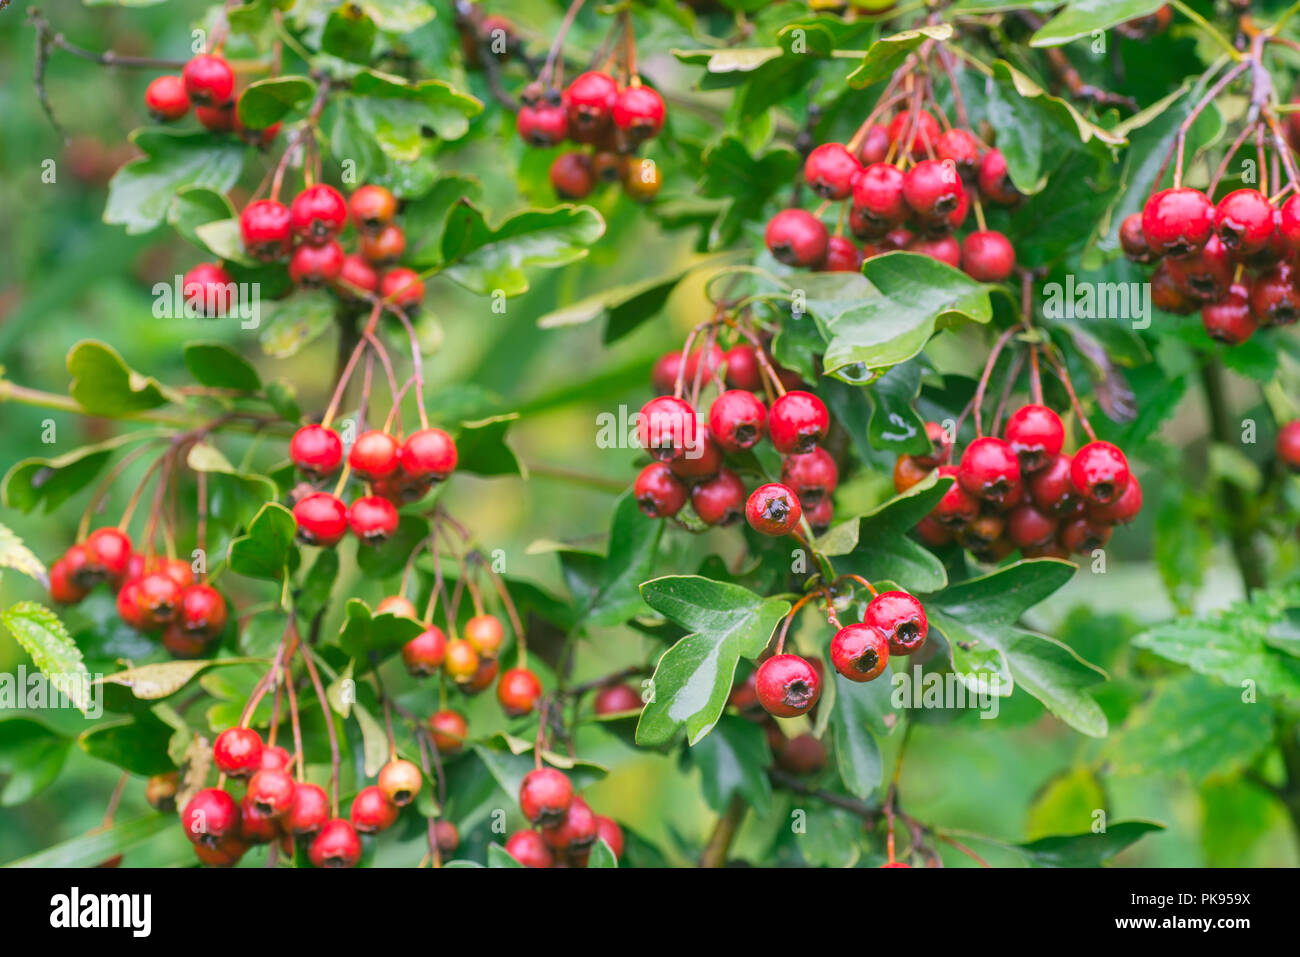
(485, 634)
(518, 691)
(859, 652)
(372, 208)
(787, 686)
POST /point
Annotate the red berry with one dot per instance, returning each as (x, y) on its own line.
(517, 692)
(403, 287)
(719, 500)
(528, 848)
(663, 377)
(820, 515)
(590, 99)
(1133, 241)
(1274, 298)
(109, 550)
(318, 214)
(316, 450)
(737, 420)
(446, 836)
(1051, 489)
(878, 198)
(545, 796)
(830, 170)
(449, 731)
(373, 519)
(1028, 527)
(639, 112)
(813, 476)
(429, 454)
(572, 175)
(356, 275)
(308, 811)
(202, 610)
(658, 492)
(208, 291)
(372, 208)
(1035, 434)
(1167, 295)
(322, 519)
(616, 699)
(940, 446)
(255, 826)
(337, 845)
(485, 634)
(962, 149)
(946, 249)
(238, 752)
(543, 125)
(1288, 221)
(375, 454)
(1244, 221)
(371, 811)
(743, 371)
(209, 80)
(994, 182)
(218, 119)
(773, 509)
(875, 145)
(1206, 274)
(859, 652)
(666, 427)
(1083, 535)
(275, 757)
(314, 266)
(987, 255)
(900, 618)
(66, 592)
(932, 188)
(399, 781)
(1121, 511)
(423, 654)
(989, 470)
(157, 597)
(271, 791)
(957, 506)
(1177, 221)
(797, 238)
(917, 132)
(797, 422)
(609, 832)
(699, 461)
(166, 98)
(787, 686)
(385, 247)
(1100, 472)
(264, 228)
(210, 817)
(1229, 319)
(576, 833)
(842, 255)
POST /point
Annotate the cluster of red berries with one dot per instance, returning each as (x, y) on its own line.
(690, 453)
(1022, 492)
(1233, 261)
(802, 754)
(397, 471)
(565, 828)
(907, 173)
(594, 112)
(154, 593)
(207, 82)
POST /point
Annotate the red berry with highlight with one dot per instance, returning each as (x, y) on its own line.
(859, 652)
(900, 618)
(797, 238)
(336, 845)
(659, 493)
(719, 500)
(989, 470)
(1100, 472)
(322, 519)
(830, 170)
(787, 686)
(318, 214)
(209, 80)
(773, 509)
(166, 99)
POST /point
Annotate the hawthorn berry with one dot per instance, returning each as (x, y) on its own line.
(813, 475)
(994, 181)
(987, 256)
(609, 832)
(572, 175)
(801, 755)
(616, 699)
(773, 509)
(1229, 320)
(639, 112)
(485, 634)
(316, 450)
(337, 845)
(545, 796)
(1288, 445)
(528, 848)
(481, 680)
(403, 287)
(371, 811)
(322, 519)
(940, 447)
(67, 592)
(275, 757)
(157, 597)
(1035, 434)
(980, 534)
(314, 266)
(917, 132)
(428, 455)
(576, 833)
(218, 119)
(264, 229)
(1028, 527)
(590, 99)
(658, 492)
(396, 605)
(962, 149)
(209, 80)
(1100, 472)
(517, 692)
(1274, 297)
(1167, 295)
(356, 275)
(385, 247)
(1133, 241)
(1288, 221)
(787, 686)
(797, 421)
(318, 214)
(859, 652)
(166, 99)
(109, 551)
(449, 730)
(932, 188)
(375, 454)
(945, 249)
(373, 519)
(1121, 511)
(1244, 221)
(372, 208)
(737, 420)
(446, 836)
(543, 125)
(208, 291)
(875, 145)
(256, 826)
(663, 376)
(210, 817)
(1083, 535)
(878, 198)
(666, 427)
(989, 470)
(423, 655)
(842, 255)
(742, 368)
(1051, 489)
(238, 752)
(1177, 221)
(957, 506)
(797, 238)
(308, 811)
(830, 170)
(719, 500)
(1205, 274)
(900, 618)
(699, 461)
(271, 791)
(202, 610)
(907, 473)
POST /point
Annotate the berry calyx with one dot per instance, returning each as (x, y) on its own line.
(316, 450)
(1100, 472)
(270, 791)
(238, 752)
(900, 618)
(337, 845)
(797, 238)
(737, 420)
(787, 686)
(545, 796)
(423, 655)
(797, 422)
(166, 99)
(773, 509)
(322, 519)
(859, 652)
(517, 692)
(659, 493)
(989, 470)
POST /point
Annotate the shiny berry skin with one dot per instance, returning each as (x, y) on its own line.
(373, 519)
(1166, 295)
(813, 476)
(1052, 491)
(461, 661)
(517, 692)
(1177, 221)
(576, 833)
(202, 609)
(787, 686)
(639, 112)
(658, 492)
(218, 119)
(371, 811)
(385, 247)
(372, 208)
(1206, 274)
(1244, 221)
(609, 832)
(773, 509)
(940, 447)
(1288, 445)
(1133, 241)
(957, 506)
(859, 652)
(428, 454)
(932, 188)
(316, 450)
(830, 170)
(797, 421)
(699, 461)
(918, 132)
(987, 256)
(403, 287)
(528, 848)
(1121, 511)
(308, 811)
(423, 655)
(719, 500)
(742, 368)
(374, 455)
(737, 420)
(1288, 222)
(543, 125)
(1084, 535)
(590, 100)
(318, 214)
(157, 596)
(1229, 320)
(238, 752)
(271, 791)
(485, 634)
(875, 145)
(210, 817)
(878, 198)
(397, 605)
(1035, 434)
(663, 377)
(166, 99)
(545, 796)
(314, 266)
(208, 290)
(337, 845)
(946, 249)
(989, 470)
(900, 618)
(449, 731)
(797, 238)
(67, 592)
(907, 473)
(666, 427)
(1100, 472)
(264, 229)
(572, 175)
(1274, 296)
(842, 255)
(962, 149)
(275, 757)
(356, 274)
(256, 827)
(109, 550)
(1027, 527)
(322, 519)
(994, 182)
(209, 80)
(616, 699)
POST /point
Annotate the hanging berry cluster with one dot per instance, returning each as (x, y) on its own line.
(564, 826)
(206, 82)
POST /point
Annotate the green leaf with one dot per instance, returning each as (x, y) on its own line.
(1086, 850)
(222, 238)
(733, 761)
(14, 554)
(1085, 17)
(138, 745)
(266, 102)
(374, 741)
(498, 856)
(918, 297)
(141, 192)
(267, 550)
(399, 16)
(887, 54)
(482, 449)
(633, 544)
(349, 34)
(390, 557)
(53, 481)
(42, 635)
(99, 845)
(103, 384)
(218, 366)
(693, 678)
(397, 113)
(602, 855)
(150, 682)
(895, 424)
(857, 753)
(485, 260)
(197, 206)
(425, 218)
(31, 757)
(745, 180)
(292, 322)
